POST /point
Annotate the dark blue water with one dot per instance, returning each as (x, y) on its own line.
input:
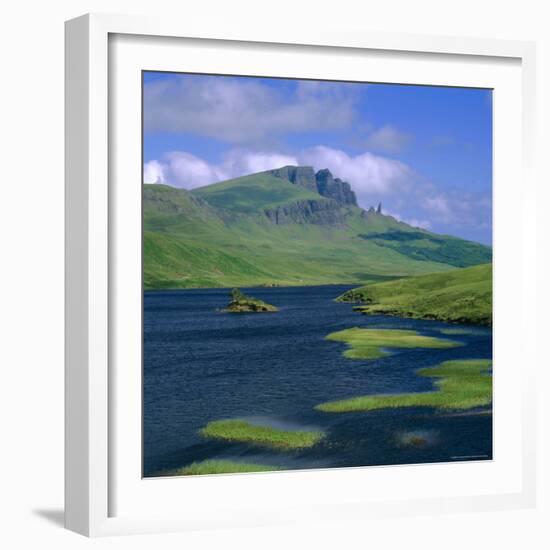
(202, 365)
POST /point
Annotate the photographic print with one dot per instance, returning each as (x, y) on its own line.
(317, 274)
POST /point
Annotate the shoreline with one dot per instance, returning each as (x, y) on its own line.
(420, 317)
(356, 306)
(260, 287)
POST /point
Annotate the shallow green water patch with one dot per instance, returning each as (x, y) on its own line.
(244, 432)
(222, 466)
(460, 385)
(365, 343)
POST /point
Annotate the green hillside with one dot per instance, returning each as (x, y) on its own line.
(254, 193)
(463, 296)
(423, 245)
(265, 230)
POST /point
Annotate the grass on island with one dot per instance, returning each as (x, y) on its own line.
(241, 303)
(222, 467)
(457, 296)
(461, 384)
(366, 343)
(243, 432)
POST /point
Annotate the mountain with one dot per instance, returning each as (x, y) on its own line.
(458, 296)
(321, 182)
(289, 226)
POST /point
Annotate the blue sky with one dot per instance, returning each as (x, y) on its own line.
(424, 152)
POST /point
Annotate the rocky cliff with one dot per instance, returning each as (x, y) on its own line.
(318, 212)
(334, 188)
(299, 175)
(323, 182)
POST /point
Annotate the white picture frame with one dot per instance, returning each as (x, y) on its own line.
(100, 500)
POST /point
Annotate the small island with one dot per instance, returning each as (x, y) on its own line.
(241, 303)
(241, 431)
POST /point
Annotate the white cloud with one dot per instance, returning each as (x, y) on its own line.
(422, 224)
(455, 208)
(414, 222)
(405, 194)
(153, 172)
(183, 169)
(239, 162)
(370, 176)
(438, 205)
(388, 139)
(242, 111)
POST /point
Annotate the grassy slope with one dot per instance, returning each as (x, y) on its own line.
(226, 242)
(423, 245)
(253, 193)
(369, 343)
(462, 384)
(462, 295)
